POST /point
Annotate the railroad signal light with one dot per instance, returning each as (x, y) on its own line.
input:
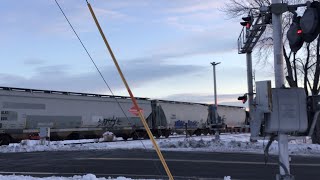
(246, 24)
(295, 34)
(248, 18)
(243, 98)
(247, 21)
(299, 31)
(309, 22)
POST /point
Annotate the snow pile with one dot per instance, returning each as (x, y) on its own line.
(227, 143)
(108, 136)
(85, 177)
(192, 144)
(73, 145)
(238, 143)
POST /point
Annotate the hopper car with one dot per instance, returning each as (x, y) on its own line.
(72, 115)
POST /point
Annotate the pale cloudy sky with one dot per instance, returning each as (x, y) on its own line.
(164, 48)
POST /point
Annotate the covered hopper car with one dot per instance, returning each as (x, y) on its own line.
(71, 115)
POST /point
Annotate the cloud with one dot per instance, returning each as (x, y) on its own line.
(194, 16)
(112, 14)
(53, 70)
(202, 43)
(34, 62)
(57, 77)
(32, 20)
(196, 6)
(177, 22)
(81, 19)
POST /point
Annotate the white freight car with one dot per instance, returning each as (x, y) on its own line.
(233, 116)
(68, 114)
(75, 115)
(182, 116)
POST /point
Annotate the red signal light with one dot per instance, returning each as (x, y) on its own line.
(299, 31)
(246, 24)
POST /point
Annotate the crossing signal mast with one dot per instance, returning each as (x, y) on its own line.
(272, 103)
(254, 24)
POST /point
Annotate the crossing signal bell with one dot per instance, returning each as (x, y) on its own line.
(243, 98)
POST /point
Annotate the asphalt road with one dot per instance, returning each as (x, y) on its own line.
(145, 164)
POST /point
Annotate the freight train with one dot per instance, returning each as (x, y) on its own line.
(71, 115)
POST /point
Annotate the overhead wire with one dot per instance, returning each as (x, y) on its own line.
(101, 75)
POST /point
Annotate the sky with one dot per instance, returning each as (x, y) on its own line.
(164, 48)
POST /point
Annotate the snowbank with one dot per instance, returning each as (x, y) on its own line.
(227, 143)
(238, 143)
(85, 177)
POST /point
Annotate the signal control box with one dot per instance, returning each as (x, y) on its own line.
(280, 110)
(289, 111)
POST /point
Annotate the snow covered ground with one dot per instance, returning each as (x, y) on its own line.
(227, 143)
(85, 177)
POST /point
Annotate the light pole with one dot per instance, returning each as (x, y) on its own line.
(215, 97)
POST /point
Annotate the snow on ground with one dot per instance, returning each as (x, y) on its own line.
(85, 177)
(227, 143)
(239, 143)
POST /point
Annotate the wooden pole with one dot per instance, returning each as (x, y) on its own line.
(134, 101)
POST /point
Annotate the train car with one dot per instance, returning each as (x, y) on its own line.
(182, 116)
(69, 115)
(168, 117)
(233, 116)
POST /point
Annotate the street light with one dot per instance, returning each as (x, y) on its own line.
(217, 137)
(214, 82)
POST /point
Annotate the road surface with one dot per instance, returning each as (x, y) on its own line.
(145, 164)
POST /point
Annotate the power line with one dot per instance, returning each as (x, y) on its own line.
(104, 80)
(95, 65)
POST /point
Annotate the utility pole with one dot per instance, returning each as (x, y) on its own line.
(214, 83)
(215, 99)
(279, 82)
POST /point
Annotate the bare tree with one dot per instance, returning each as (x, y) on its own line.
(304, 65)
